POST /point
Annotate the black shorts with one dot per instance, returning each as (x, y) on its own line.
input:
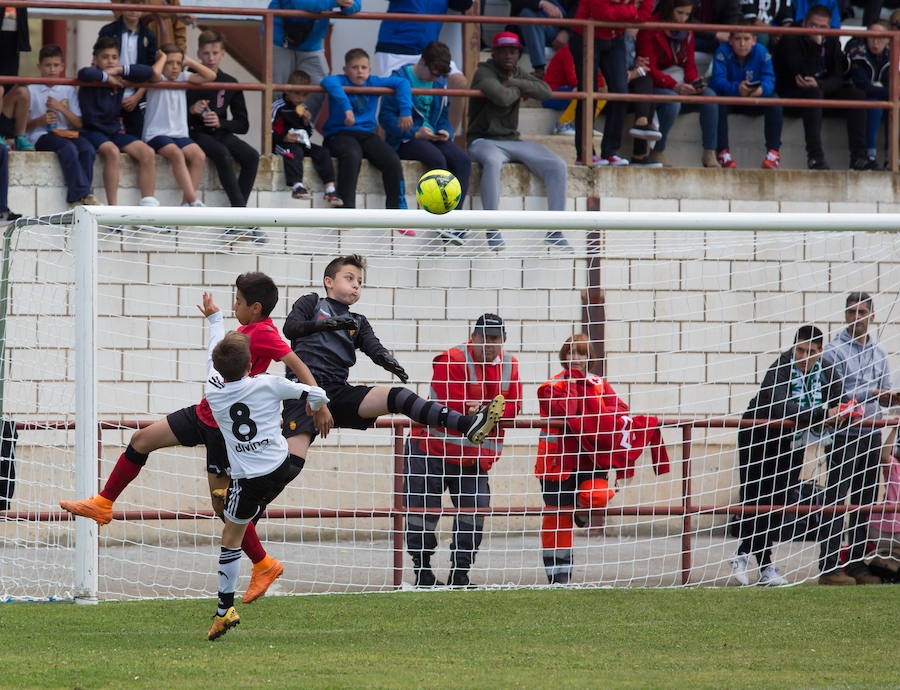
(248, 498)
(565, 493)
(344, 402)
(190, 432)
(7, 127)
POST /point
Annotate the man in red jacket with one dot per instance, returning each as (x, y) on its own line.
(437, 459)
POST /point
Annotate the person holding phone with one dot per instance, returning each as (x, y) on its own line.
(743, 68)
(672, 67)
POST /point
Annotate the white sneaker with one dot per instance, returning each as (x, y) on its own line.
(149, 201)
(770, 577)
(739, 565)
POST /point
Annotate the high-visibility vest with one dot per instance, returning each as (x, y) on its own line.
(452, 445)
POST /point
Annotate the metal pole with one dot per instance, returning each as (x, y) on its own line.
(84, 240)
(268, 33)
(893, 94)
(399, 520)
(4, 308)
(686, 501)
(590, 83)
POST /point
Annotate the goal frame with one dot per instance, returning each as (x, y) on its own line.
(86, 221)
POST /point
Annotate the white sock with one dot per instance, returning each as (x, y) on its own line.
(330, 188)
(229, 569)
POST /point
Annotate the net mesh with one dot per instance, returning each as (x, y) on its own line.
(689, 321)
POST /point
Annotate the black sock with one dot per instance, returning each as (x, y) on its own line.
(135, 457)
(404, 401)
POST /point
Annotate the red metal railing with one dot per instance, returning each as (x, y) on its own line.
(397, 512)
(588, 94)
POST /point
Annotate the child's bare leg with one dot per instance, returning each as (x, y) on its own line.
(298, 445)
(157, 435)
(180, 172)
(217, 488)
(196, 161)
(16, 109)
(110, 154)
(145, 158)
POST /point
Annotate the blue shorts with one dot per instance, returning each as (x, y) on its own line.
(120, 139)
(156, 143)
(7, 127)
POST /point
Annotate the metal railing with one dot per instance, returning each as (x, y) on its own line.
(685, 507)
(588, 94)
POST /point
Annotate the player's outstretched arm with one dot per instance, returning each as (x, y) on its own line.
(216, 328)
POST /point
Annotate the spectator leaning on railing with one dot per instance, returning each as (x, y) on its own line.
(813, 66)
(609, 56)
(299, 43)
(137, 46)
(870, 63)
(401, 42)
(743, 68)
(673, 70)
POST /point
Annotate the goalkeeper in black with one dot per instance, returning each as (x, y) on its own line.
(325, 334)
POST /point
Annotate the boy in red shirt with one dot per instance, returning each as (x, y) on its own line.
(255, 297)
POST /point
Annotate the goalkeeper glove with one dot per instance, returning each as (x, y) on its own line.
(387, 361)
(336, 323)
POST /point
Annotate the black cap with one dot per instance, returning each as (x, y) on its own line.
(490, 324)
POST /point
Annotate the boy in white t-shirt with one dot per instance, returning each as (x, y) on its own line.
(166, 123)
(248, 412)
(54, 117)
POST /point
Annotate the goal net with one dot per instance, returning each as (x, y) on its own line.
(686, 314)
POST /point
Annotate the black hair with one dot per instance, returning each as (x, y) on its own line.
(258, 287)
(666, 8)
(51, 50)
(331, 270)
(809, 333)
(819, 11)
(860, 298)
(105, 43)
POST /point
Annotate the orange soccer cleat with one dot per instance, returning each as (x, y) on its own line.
(96, 508)
(263, 575)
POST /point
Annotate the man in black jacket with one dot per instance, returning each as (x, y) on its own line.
(770, 457)
(214, 132)
(813, 66)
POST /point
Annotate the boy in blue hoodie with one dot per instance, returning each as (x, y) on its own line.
(430, 139)
(350, 128)
(743, 68)
(101, 108)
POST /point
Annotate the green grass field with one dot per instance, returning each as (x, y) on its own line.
(718, 638)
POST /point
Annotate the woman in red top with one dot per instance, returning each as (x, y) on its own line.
(573, 462)
(673, 70)
(609, 55)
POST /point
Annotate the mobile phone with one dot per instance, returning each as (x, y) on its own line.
(699, 84)
(753, 84)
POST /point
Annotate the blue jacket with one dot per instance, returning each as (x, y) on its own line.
(390, 112)
(101, 105)
(314, 30)
(411, 37)
(728, 72)
(363, 105)
(802, 7)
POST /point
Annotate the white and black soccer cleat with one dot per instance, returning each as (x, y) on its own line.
(486, 419)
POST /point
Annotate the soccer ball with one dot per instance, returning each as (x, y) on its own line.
(438, 191)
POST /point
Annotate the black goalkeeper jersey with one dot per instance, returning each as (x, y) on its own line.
(328, 354)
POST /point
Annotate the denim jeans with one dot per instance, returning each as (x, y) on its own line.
(773, 121)
(709, 119)
(538, 37)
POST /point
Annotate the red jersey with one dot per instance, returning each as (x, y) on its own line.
(266, 346)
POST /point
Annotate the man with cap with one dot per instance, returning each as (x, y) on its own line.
(437, 459)
(493, 132)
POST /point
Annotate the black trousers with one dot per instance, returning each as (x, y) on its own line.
(293, 162)
(852, 469)
(768, 467)
(425, 480)
(812, 118)
(642, 85)
(610, 59)
(350, 147)
(223, 149)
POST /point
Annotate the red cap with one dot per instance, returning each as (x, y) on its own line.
(506, 38)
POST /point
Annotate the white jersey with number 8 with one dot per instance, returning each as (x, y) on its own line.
(248, 412)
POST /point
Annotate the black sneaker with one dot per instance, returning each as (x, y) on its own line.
(486, 419)
(863, 163)
(9, 217)
(817, 164)
(459, 578)
(425, 579)
(559, 579)
(645, 162)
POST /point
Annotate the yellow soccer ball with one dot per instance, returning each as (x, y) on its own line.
(438, 191)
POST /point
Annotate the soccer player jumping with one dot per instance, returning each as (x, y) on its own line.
(247, 410)
(325, 334)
